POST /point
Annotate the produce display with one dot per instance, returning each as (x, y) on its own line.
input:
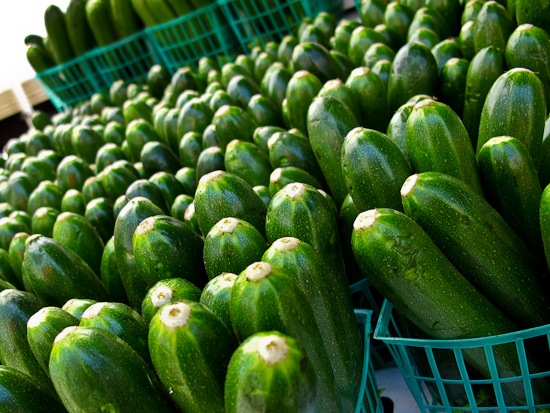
(189, 242)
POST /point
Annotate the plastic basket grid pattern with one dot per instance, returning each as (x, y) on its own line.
(185, 40)
(364, 297)
(70, 83)
(334, 7)
(369, 399)
(257, 22)
(436, 388)
(128, 59)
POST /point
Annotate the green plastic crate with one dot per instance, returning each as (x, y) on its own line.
(257, 22)
(185, 40)
(70, 83)
(334, 7)
(368, 400)
(128, 59)
(441, 381)
(364, 296)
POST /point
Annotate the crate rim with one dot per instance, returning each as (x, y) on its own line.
(179, 19)
(381, 332)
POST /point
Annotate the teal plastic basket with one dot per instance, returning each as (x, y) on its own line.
(257, 22)
(127, 59)
(368, 400)
(70, 83)
(357, 5)
(364, 296)
(441, 380)
(185, 40)
(334, 7)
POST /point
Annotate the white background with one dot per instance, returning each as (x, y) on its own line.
(19, 18)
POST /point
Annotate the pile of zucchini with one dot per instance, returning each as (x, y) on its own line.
(89, 24)
(187, 244)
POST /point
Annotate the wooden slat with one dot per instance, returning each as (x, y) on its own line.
(34, 91)
(9, 104)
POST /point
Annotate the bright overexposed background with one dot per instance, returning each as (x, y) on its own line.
(17, 19)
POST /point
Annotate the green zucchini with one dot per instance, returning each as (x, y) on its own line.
(22, 394)
(78, 30)
(210, 159)
(164, 247)
(45, 194)
(77, 306)
(100, 214)
(515, 106)
(147, 189)
(511, 185)
(135, 211)
(122, 321)
(72, 171)
(58, 37)
(315, 58)
(301, 91)
(374, 169)
(108, 154)
(109, 273)
(47, 263)
(209, 137)
(370, 93)
(100, 20)
(188, 179)
(222, 194)
(138, 133)
(16, 308)
(42, 328)
(452, 83)
(73, 201)
(485, 68)
(404, 264)
(125, 19)
(194, 116)
(264, 298)
(493, 26)
(329, 120)
(270, 370)
(16, 253)
(282, 176)
(437, 141)
(190, 147)
(287, 149)
(413, 72)
(231, 245)
(529, 46)
(275, 82)
(333, 312)
(80, 358)
(191, 348)
(156, 156)
(216, 296)
(534, 12)
(43, 221)
(168, 291)
(371, 12)
(169, 186)
(264, 111)
(247, 161)
(231, 122)
(479, 243)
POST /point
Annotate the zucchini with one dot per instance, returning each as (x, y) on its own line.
(241, 88)
(191, 348)
(288, 149)
(125, 19)
(109, 273)
(315, 58)
(100, 213)
(43, 221)
(333, 313)
(485, 68)
(100, 20)
(480, 244)
(16, 253)
(16, 308)
(42, 328)
(165, 247)
(247, 161)
(79, 32)
(135, 211)
(370, 92)
(329, 120)
(108, 154)
(222, 194)
(169, 186)
(22, 394)
(398, 18)
(168, 291)
(281, 177)
(269, 370)
(493, 26)
(47, 263)
(216, 296)
(45, 194)
(515, 106)
(535, 12)
(264, 298)
(194, 116)
(302, 88)
(138, 133)
(209, 137)
(38, 58)
(147, 189)
(452, 83)
(374, 169)
(156, 156)
(231, 122)
(210, 159)
(122, 321)
(190, 147)
(58, 37)
(75, 232)
(512, 187)
(80, 358)
(437, 141)
(413, 72)
(301, 211)
(529, 46)
(231, 245)
(342, 91)
(404, 264)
